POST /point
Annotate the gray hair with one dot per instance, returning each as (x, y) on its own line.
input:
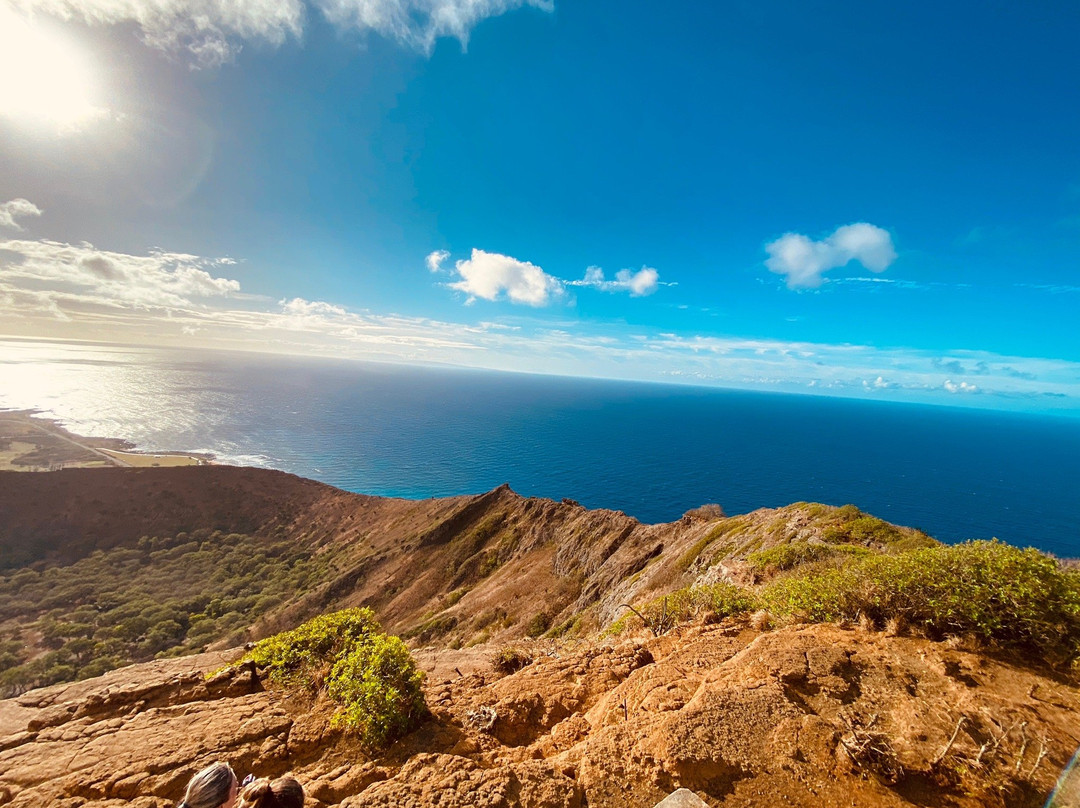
(210, 788)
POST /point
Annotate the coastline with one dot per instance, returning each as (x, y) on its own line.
(31, 442)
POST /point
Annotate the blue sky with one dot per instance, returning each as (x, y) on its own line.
(837, 198)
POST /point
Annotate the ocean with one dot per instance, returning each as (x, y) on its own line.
(653, 451)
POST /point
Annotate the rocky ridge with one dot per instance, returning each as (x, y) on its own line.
(739, 712)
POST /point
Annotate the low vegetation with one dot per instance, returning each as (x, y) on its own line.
(993, 591)
(785, 557)
(510, 659)
(164, 597)
(988, 590)
(849, 525)
(369, 675)
(710, 601)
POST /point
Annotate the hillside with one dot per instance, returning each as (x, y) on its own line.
(110, 566)
(807, 655)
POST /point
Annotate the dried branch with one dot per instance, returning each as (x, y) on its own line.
(1043, 752)
(941, 755)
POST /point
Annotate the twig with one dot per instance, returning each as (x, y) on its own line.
(1023, 747)
(952, 740)
(1039, 759)
(648, 625)
(999, 739)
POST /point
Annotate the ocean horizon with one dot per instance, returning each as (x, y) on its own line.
(651, 450)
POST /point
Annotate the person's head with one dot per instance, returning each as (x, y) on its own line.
(213, 787)
(284, 792)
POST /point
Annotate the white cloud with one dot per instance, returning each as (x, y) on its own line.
(879, 383)
(209, 33)
(490, 275)
(643, 282)
(960, 387)
(159, 279)
(15, 209)
(55, 290)
(435, 259)
(418, 23)
(803, 261)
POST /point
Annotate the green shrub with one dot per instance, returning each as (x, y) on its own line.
(852, 526)
(165, 597)
(714, 601)
(370, 675)
(510, 659)
(719, 531)
(538, 624)
(1020, 598)
(437, 626)
(788, 556)
(379, 690)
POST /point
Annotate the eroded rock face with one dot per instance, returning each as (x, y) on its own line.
(804, 716)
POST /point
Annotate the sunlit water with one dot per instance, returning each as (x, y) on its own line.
(650, 450)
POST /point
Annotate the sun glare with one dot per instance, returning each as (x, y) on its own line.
(45, 77)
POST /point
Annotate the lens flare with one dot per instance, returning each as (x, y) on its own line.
(45, 77)
(1067, 792)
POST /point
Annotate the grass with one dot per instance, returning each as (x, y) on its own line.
(369, 675)
(694, 552)
(849, 525)
(510, 659)
(994, 591)
(786, 557)
(714, 601)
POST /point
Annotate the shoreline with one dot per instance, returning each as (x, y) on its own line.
(31, 442)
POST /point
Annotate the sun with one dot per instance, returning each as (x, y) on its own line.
(45, 77)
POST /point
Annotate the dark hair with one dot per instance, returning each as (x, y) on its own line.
(210, 787)
(285, 792)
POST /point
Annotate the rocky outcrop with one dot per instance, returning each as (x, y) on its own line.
(803, 716)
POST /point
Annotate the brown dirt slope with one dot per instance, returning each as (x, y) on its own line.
(801, 716)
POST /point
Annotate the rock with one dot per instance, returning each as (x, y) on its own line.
(683, 798)
(801, 716)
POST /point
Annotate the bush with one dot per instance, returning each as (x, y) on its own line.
(370, 675)
(852, 526)
(510, 659)
(788, 556)
(714, 601)
(1019, 598)
(706, 513)
(539, 624)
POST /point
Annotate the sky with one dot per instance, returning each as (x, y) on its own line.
(830, 198)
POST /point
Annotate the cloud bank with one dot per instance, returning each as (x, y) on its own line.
(78, 291)
(160, 279)
(209, 33)
(15, 209)
(803, 261)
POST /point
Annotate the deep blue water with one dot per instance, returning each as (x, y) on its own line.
(653, 451)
